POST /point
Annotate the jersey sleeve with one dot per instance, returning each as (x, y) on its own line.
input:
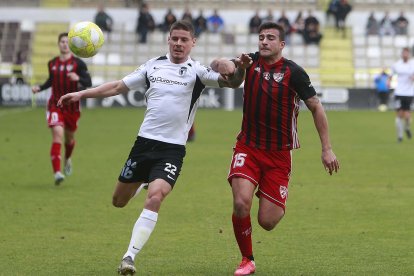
(84, 76)
(48, 82)
(137, 79)
(207, 76)
(301, 83)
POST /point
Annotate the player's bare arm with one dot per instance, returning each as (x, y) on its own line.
(105, 90)
(329, 159)
(232, 71)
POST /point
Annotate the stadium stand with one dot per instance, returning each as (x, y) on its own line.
(44, 48)
(338, 62)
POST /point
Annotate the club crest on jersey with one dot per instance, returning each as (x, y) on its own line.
(266, 75)
(283, 191)
(182, 71)
(69, 67)
(278, 77)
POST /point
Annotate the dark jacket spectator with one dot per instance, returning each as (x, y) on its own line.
(372, 27)
(169, 19)
(254, 23)
(285, 23)
(187, 15)
(344, 8)
(401, 24)
(200, 24)
(311, 34)
(145, 24)
(103, 20)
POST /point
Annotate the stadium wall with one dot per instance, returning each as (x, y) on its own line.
(212, 98)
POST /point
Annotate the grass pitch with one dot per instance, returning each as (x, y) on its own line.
(358, 222)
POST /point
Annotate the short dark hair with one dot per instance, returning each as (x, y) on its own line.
(183, 25)
(273, 25)
(62, 35)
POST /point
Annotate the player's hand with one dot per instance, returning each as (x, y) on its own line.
(69, 98)
(225, 68)
(73, 76)
(243, 61)
(35, 89)
(329, 161)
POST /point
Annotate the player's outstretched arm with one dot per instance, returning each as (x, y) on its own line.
(102, 91)
(329, 159)
(232, 71)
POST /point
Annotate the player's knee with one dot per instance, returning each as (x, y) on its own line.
(241, 207)
(269, 223)
(153, 202)
(118, 202)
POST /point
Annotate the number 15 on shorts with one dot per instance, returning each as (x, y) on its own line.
(239, 159)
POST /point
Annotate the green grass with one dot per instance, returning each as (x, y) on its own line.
(358, 222)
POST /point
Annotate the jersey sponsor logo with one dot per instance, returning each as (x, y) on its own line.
(278, 77)
(166, 81)
(283, 192)
(69, 67)
(126, 170)
(183, 71)
(266, 75)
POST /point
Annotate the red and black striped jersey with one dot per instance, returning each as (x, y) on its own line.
(60, 82)
(271, 104)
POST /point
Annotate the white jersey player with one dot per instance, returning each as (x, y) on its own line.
(174, 84)
(404, 93)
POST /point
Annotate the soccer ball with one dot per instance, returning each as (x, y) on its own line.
(85, 39)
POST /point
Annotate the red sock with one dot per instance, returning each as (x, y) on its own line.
(69, 149)
(55, 156)
(243, 231)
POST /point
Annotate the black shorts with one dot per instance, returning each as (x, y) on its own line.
(403, 102)
(150, 159)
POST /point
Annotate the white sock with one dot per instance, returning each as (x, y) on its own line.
(400, 127)
(143, 228)
(407, 123)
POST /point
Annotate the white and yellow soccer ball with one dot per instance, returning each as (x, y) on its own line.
(85, 39)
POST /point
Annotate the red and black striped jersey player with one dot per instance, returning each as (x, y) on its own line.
(67, 74)
(262, 156)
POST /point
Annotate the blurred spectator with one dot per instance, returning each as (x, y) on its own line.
(386, 25)
(332, 10)
(254, 23)
(285, 23)
(382, 85)
(169, 19)
(344, 8)
(269, 17)
(200, 24)
(145, 23)
(372, 27)
(103, 20)
(17, 68)
(401, 24)
(215, 23)
(311, 34)
(187, 15)
(298, 25)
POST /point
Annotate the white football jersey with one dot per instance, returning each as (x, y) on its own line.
(404, 72)
(172, 95)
